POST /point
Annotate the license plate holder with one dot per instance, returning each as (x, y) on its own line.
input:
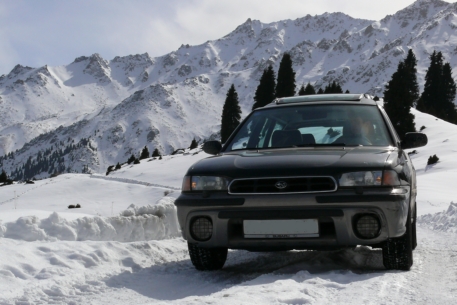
(281, 228)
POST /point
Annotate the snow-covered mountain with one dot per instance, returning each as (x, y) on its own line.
(94, 113)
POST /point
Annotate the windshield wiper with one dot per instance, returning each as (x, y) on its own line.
(293, 146)
(320, 144)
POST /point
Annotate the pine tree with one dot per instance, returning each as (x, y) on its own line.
(308, 90)
(265, 92)
(328, 89)
(194, 144)
(109, 169)
(144, 153)
(400, 94)
(333, 87)
(449, 89)
(432, 160)
(131, 159)
(431, 86)
(411, 74)
(320, 91)
(302, 90)
(156, 153)
(231, 114)
(439, 90)
(118, 166)
(3, 177)
(285, 85)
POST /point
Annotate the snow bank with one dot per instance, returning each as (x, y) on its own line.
(445, 221)
(134, 224)
(2, 229)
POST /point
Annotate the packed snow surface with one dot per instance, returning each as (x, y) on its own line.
(123, 246)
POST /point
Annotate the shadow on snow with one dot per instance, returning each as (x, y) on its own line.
(177, 280)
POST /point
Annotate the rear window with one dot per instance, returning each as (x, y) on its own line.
(313, 125)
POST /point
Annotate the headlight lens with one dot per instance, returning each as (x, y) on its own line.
(390, 177)
(361, 178)
(370, 178)
(205, 183)
(186, 184)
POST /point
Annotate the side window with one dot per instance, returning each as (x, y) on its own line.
(254, 134)
(379, 137)
(267, 131)
(277, 126)
(263, 132)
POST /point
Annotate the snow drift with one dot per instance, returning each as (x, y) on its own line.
(445, 221)
(134, 224)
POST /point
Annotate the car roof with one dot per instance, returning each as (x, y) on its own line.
(323, 98)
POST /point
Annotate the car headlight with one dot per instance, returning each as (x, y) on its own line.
(370, 178)
(204, 183)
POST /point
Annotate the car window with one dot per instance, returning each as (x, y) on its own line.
(310, 125)
(256, 133)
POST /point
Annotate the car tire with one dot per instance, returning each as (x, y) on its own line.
(207, 258)
(397, 253)
(413, 228)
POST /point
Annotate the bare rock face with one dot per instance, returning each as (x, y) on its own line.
(98, 68)
(184, 70)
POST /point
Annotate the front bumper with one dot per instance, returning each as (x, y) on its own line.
(334, 211)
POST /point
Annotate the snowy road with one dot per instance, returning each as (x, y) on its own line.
(161, 272)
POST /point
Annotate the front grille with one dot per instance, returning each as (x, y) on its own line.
(281, 185)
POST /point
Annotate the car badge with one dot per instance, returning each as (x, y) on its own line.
(281, 185)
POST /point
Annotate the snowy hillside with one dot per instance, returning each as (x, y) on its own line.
(110, 109)
(110, 252)
(436, 187)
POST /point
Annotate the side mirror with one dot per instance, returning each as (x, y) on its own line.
(212, 147)
(414, 140)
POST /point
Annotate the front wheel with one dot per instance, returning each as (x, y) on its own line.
(397, 253)
(413, 228)
(207, 258)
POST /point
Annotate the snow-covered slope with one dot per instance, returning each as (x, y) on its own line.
(113, 108)
(99, 195)
(435, 188)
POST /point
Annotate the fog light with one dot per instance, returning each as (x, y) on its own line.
(201, 228)
(367, 226)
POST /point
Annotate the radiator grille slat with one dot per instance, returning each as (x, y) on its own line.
(281, 185)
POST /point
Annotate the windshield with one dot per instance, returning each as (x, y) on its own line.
(312, 125)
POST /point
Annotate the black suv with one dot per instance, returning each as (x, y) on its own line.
(311, 172)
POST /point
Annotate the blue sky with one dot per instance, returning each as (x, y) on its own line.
(55, 32)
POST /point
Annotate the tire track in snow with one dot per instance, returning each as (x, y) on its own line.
(132, 181)
(431, 280)
(436, 267)
(307, 277)
(161, 272)
(29, 190)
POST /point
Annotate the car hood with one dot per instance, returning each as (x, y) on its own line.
(294, 162)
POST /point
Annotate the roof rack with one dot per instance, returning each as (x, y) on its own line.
(320, 98)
